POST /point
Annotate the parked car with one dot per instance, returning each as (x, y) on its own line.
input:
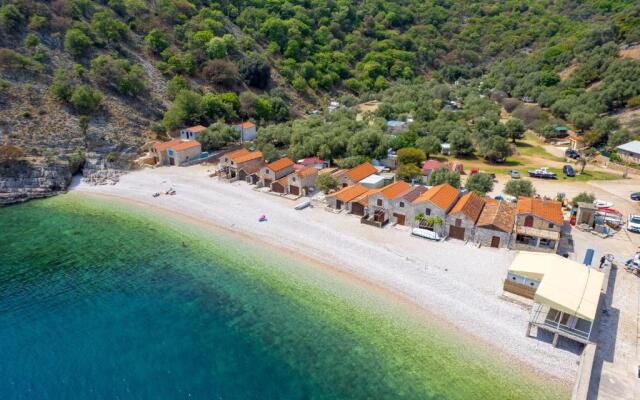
(633, 224)
(570, 153)
(568, 170)
(514, 174)
(635, 196)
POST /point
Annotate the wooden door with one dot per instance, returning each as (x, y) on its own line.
(338, 205)
(172, 161)
(357, 209)
(400, 218)
(294, 190)
(495, 241)
(456, 232)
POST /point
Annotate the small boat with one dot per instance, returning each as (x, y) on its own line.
(602, 204)
(303, 205)
(425, 233)
(542, 172)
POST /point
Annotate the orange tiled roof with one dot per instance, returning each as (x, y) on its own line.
(196, 129)
(546, 209)
(349, 193)
(246, 125)
(248, 157)
(232, 155)
(307, 171)
(360, 172)
(470, 205)
(442, 196)
(364, 198)
(284, 181)
(395, 190)
(498, 214)
(280, 164)
(185, 144)
(161, 146)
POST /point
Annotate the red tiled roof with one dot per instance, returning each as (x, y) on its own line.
(546, 209)
(185, 144)
(236, 153)
(280, 164)
(395, 190)
(248, 157)
(311, 161)
(349, 193)
(470, 205)
(500, 215)
(442, 196)
(247, 125)
(360, 172)
(431, 165)
(196, 129)
(306, 171)
(161, 146)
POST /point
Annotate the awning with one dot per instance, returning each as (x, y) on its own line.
(541, 233)
(566, 285)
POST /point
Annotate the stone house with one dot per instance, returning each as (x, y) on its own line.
(175, 152)
(342, 199)
(387, 205)
(630, 152)
(461, 220)
(192, 132)
(435, 202)
(355, 174)
(495, 225)
(281, 185)
(237, 164)
(301, 181)
(538, 225)
(275, 170)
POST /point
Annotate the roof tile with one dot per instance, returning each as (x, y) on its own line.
(546, 209)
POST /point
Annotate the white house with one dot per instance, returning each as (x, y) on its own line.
(247, 131)
(191, 133)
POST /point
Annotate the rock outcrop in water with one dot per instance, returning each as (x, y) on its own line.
(22, 180)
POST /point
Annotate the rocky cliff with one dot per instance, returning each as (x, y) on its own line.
(30, 179)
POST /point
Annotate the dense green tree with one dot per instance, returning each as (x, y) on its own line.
(461, 143)
(10, 17)
(118, 74)
(156, 41)
(76, 42)
(444, 175)
(216, 136)
(515, 129)
(108, 27)
(86, 99)
(63, 84)
(584, 197)
(326, 183)
(410, 155)
(429, 144)
(494, 148)
(408, 172)
(255, 70)
(480, 183)
(520, 187)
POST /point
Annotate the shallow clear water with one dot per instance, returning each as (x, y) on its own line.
(101, 300)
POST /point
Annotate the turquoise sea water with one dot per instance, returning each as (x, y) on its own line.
(101, 300)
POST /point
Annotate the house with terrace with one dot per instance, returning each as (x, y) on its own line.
(175, 152)
(538, 225)
(495, 225)
(566, 294)
(275, 171)
(429, 210)
(342, 199)
(239, 163)
(386, 205)
(461, 220)
(302, 181)
(355, 174)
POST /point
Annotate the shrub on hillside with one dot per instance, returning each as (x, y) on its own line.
(86, 99)
(76, 42)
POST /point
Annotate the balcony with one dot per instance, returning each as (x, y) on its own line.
(563, 324)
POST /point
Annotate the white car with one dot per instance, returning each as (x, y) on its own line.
(633, 225)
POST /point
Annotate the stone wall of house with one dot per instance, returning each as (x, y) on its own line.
(538, 223)
(484, 236)
(465, 222)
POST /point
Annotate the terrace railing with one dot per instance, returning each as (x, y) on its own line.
(550, 319)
